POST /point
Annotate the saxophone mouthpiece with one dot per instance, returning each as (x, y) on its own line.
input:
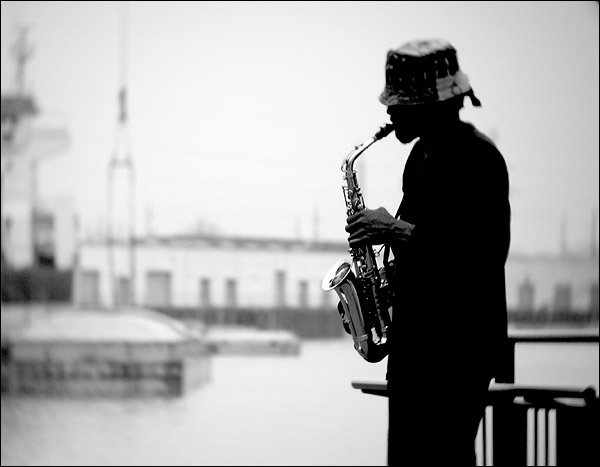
(384, 131)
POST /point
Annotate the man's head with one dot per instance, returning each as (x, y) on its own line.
(420, 120)
(423, 81)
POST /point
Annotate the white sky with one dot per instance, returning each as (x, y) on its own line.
(241, 112)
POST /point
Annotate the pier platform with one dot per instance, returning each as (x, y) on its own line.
(107, 353)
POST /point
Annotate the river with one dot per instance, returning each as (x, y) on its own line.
(276, 410)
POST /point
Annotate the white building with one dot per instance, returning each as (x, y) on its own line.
(552, 283)
(33, 232)
(204, 271)
(209, 272)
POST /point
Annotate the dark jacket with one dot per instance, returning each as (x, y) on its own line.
(450, 297)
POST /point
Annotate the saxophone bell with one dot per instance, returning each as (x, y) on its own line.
(336, 275)
(369, 342)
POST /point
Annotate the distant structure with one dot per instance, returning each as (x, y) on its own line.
(104, 353)
(121, 195)
(277, 282)
(34, 233)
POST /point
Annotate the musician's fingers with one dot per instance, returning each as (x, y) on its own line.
(357, 238)
(354, 217)
(354, 222)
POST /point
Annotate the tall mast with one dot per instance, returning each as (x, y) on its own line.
(121, 174)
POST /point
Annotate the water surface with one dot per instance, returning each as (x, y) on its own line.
(255, 411)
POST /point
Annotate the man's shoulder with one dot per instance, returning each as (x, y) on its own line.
(482, 151)
(477, 137)
(480, 144)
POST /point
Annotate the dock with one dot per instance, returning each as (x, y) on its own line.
(105, 353)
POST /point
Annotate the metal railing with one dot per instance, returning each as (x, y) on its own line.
(532, 425)
(539, 426)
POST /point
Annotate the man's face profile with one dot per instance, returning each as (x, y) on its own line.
(406, 120)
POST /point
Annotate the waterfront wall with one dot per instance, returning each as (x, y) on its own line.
(320, 323)
(108, 353)
(312, 323)
(105, 369)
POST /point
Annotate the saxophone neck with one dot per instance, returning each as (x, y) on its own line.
(348, 162)
(352, 193)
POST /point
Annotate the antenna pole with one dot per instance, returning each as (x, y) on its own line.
(121, 161)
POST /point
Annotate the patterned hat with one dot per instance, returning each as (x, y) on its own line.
(422, 72)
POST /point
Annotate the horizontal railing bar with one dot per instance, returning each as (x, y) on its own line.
(584, 339)
(498, 393)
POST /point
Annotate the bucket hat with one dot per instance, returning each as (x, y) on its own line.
(424, 71)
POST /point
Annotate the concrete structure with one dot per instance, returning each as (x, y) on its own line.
(69, 352)
(209, 272)
(212, 272)
(552, 283)
(33, 233)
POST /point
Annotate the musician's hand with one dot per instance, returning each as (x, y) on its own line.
(376, 227)
(370, 226)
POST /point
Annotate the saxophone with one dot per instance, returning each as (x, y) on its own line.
(364, 292)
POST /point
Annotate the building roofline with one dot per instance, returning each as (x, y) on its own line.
(274, 243)
(228, 242)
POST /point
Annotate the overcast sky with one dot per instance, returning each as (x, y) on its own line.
(241, 112)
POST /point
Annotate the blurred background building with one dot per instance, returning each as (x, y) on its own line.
(196, 276)
(38, 235)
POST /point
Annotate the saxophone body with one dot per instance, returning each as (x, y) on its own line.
(363, 290)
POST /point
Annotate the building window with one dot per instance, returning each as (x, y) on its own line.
(44, 232)
(230, 293)
(125, 292)
(158, 288)
(526, 295)
(90, 288)
(303, 294)
(562, 298)
(205, 292)
(280, 288)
